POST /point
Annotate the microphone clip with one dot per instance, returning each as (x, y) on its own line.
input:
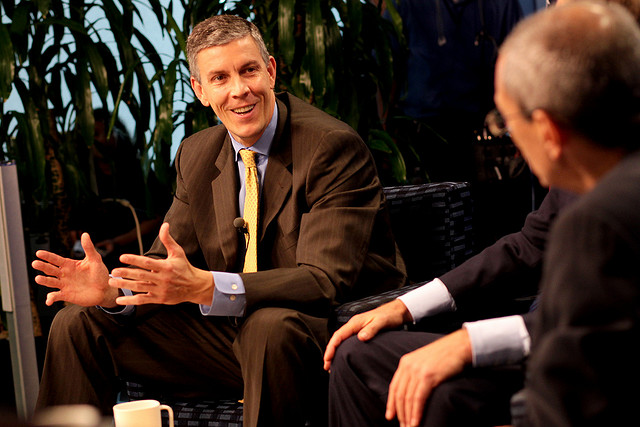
(241, 225)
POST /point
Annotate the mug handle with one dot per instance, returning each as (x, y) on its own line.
(170, 411)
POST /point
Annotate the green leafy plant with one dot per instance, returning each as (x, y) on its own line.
(60, 59)
(63, 60)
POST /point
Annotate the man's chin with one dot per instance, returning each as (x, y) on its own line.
(247, 138)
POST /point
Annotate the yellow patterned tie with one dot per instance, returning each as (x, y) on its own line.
(250, 210)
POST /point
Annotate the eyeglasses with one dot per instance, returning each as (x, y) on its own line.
(496, 124)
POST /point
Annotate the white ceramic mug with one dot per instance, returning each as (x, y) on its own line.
(140, 413)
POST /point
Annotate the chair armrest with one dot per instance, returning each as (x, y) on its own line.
(347, 310)
(432, 224)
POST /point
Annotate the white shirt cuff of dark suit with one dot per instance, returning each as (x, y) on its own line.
(499, 341)
(429, 299)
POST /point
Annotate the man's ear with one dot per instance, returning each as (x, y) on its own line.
(197, 89)
(271, 69)
(552, 136)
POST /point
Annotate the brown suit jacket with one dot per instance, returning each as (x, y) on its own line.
(325, 236)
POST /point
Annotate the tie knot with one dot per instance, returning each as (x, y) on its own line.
(248, 158)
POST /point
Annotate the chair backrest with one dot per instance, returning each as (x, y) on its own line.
(432, 224)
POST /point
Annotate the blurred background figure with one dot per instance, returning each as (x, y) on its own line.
(443, 90)
(445, 79)
(122, 215)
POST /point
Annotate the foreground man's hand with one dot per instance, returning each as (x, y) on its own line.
(420, 371)
(163, 281)
(367, 325)
(82, 282)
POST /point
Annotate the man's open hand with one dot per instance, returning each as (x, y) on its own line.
(82, 282)
(163, 281)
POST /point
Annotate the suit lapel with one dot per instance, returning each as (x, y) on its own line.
(278, 178)
(225, 202)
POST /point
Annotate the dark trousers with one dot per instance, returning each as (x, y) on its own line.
(361, 373)
(273, 360)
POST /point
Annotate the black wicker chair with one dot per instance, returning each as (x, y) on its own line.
(432, 224)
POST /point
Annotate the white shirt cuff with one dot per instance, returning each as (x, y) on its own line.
(427, 300)
(499, 341)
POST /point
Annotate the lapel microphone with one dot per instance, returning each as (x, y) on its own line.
(241, 225)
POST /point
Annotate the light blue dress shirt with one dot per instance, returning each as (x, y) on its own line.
(229, 292)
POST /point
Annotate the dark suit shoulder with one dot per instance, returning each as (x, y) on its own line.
(201, 156)
(306, 117)
(615, 200)
(205, 143)
(314, 136)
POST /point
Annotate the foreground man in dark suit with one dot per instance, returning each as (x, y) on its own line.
(574, 123)
(568, 85)
(195, 325)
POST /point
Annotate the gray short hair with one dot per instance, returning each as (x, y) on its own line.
(219, 30)
(581, 64)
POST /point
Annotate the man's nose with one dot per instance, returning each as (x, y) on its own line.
(239, 86)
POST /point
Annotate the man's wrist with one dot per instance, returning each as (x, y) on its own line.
(401, 310)
(110, 297)
(465, 345)
(206, 286)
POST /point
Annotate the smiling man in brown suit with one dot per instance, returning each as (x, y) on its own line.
(186, 320)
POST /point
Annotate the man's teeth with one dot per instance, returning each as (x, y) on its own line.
(244, 109)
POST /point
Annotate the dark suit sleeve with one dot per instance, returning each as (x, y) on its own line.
(343, 233)
(513, 264)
